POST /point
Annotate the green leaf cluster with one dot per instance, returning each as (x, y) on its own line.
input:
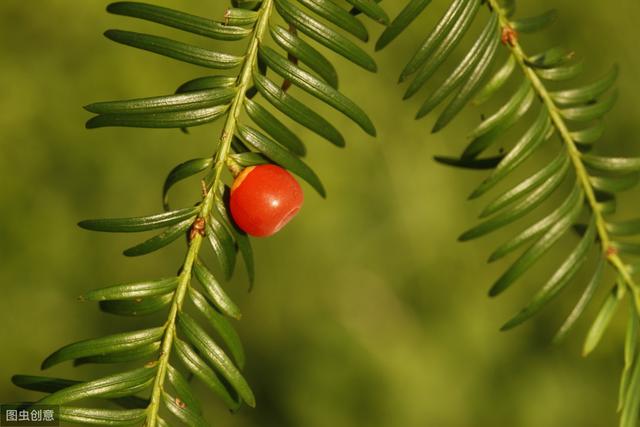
(572, 195)
(254, 94)
(251, 94)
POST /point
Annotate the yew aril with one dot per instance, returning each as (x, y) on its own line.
(264, 199)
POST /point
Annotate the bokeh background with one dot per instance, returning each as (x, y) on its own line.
(366, 311)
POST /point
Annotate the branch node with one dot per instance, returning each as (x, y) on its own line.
(198, 227)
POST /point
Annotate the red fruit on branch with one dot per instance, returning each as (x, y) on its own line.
(264, 199)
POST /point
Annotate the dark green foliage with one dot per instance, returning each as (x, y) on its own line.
(585, 181)
(257, 82)
(181, 348)
(297, 110)
(280, 65)
(324, 35)
(143, 223)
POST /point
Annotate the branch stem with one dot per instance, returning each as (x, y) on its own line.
(582, 175)
(220, 161)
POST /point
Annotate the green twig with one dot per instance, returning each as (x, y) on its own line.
(574, 154)
(221, 155)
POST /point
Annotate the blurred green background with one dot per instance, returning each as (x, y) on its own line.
(366, 311)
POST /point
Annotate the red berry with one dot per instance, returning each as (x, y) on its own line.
(264, 199)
